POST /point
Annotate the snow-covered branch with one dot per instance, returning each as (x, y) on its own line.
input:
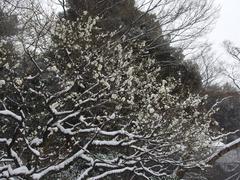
(11, 114)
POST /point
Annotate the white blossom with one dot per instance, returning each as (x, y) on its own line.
(18, 81)
(2, 83)
(53, 69)
(6, 66)
(151, 110)
(114, 96)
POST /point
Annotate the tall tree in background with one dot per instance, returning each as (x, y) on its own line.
(8, 21)
(177, 23)
(233, 73)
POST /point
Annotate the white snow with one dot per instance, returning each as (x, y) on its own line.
(2, 83)
(36, 141)
(10, 113)
(223, 150)
(115, 171)
(20, 170)
(60, 166)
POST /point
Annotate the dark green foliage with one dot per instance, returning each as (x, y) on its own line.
(8, 24)
(145, 26)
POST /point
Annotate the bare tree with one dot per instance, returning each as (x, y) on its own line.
(208, 64)
(232, 71)
(232, 50)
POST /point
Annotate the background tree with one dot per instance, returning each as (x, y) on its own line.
(233, 75)
(175, 23)
(227, 116)
(8, 20)
(208, 65)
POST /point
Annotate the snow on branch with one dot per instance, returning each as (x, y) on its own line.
(223, 150)
(11, 114)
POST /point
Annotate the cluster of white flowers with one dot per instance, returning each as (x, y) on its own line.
(53, 69)
(2, 83)
(18, 81)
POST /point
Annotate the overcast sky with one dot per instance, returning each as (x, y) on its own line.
(227, 26)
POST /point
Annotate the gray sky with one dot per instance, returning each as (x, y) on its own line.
(227, 26)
